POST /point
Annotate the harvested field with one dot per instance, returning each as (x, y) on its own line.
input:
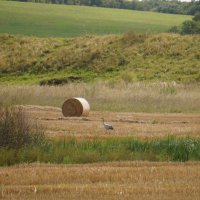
(118, 180)
(143, 125)
(106, 180)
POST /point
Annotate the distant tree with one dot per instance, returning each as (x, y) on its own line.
(95, 2)
(196, 17)
(188, 27)
(191, 26)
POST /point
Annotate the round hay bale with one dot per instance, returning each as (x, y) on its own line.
(75, 107)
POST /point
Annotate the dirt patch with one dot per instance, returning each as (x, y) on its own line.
(60, 81)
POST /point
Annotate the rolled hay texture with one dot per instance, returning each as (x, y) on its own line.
(75, 107)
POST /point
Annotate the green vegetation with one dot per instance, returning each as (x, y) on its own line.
(69, 21)
(188, 26)
(103, 150)
(131, 57)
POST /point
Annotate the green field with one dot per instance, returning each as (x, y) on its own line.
(68, 21)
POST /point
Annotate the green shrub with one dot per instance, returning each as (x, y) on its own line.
(191, 26)
(188, 27)
(196, 17)
(16, 130)
(175, 29)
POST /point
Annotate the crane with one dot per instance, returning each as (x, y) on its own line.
(107, 126)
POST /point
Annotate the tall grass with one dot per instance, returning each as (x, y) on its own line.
(104, 96)
(102, 150)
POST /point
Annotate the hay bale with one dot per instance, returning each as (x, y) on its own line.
(75, 107)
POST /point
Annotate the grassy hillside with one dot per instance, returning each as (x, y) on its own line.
(131, 57)
(68, 21)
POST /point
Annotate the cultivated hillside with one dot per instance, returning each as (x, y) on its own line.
(69, 21)
(132, 57)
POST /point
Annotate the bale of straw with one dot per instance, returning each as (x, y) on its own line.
(75, 107)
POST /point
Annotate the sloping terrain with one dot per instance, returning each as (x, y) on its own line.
(69, 21)
(132, 57)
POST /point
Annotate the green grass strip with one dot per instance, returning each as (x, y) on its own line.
(70, 150)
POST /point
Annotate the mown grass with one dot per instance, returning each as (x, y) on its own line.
(70, 150)
(69, 21)
(131, 57)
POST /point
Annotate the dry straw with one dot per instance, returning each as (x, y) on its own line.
(75, 107)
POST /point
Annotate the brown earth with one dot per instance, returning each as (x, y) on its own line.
(143, 125)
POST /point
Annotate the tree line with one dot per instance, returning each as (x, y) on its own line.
(163, 6)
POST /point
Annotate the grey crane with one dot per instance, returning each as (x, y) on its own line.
(107, 126)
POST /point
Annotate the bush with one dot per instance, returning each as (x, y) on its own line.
(174, 29)
(191, 26)
(188, 27)
(196, 17)
(16, 130)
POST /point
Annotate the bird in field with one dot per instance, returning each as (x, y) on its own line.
(107, 126)
(35, 189)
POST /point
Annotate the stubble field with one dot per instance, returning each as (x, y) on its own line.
(118, 180)
(142, 125)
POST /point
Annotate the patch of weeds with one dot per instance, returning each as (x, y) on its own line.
(168, 89)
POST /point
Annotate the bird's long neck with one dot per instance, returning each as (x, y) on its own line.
(104, 124)
(103, 120)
